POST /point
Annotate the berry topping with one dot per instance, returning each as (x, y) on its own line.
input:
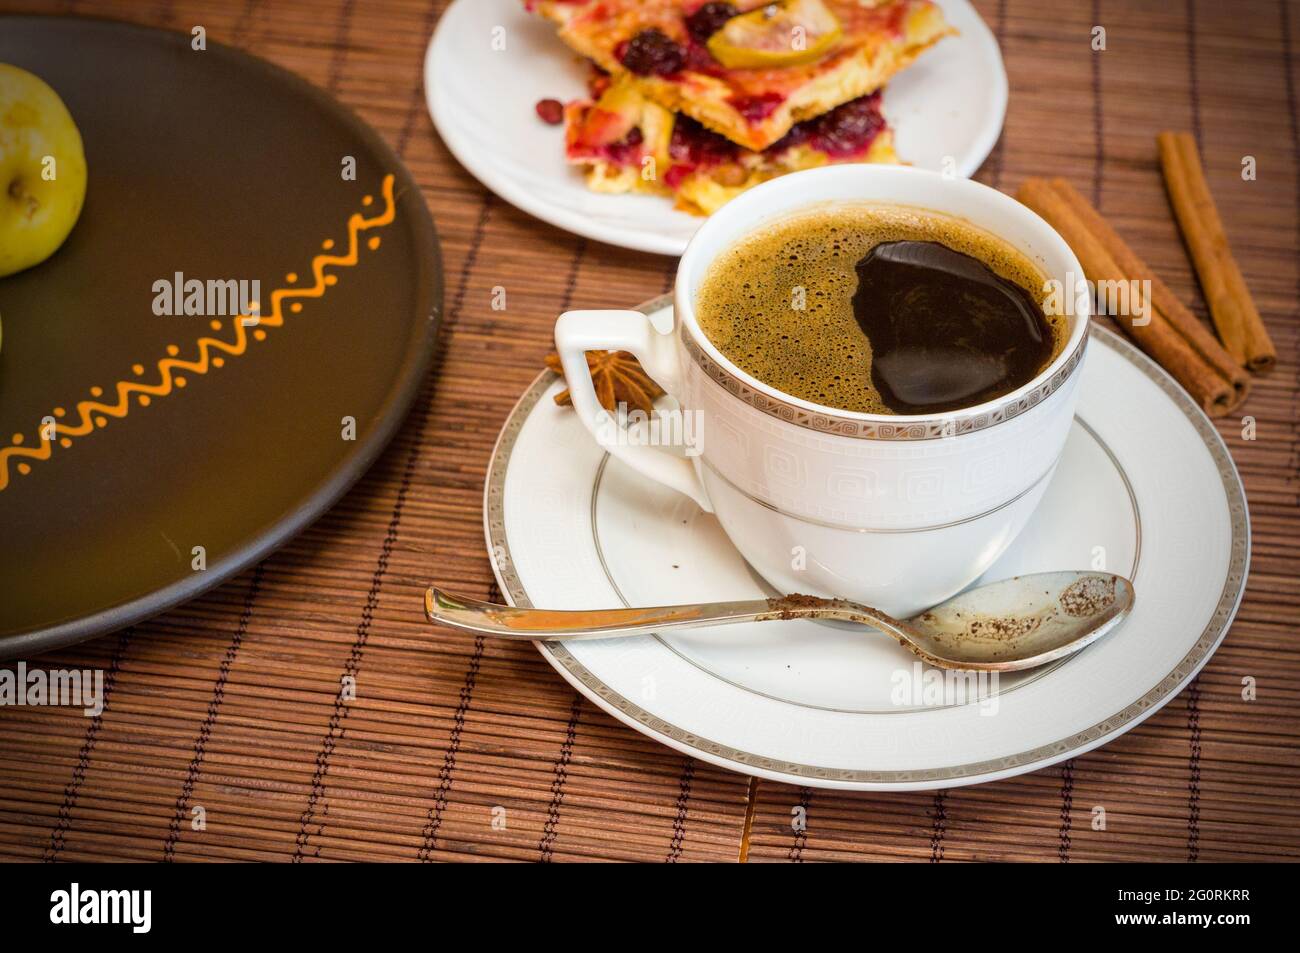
(700, 60)
(551, 111)
(757, 108)
(851, 128)
(694, 145)
(652, 51)
(627, 150)
(708, 20)
(842, 133)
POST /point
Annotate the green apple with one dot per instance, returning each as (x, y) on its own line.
(42, 170)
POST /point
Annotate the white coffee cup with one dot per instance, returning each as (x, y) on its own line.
(896, 511)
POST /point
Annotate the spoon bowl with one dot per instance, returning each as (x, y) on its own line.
(1004, 626)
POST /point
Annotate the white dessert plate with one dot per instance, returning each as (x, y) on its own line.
(490, 61)
(1146, 488)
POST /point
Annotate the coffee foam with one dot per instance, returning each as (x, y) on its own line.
(746, 303)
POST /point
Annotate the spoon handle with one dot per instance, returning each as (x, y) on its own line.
(526, 624)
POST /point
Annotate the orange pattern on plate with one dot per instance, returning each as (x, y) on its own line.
(93, 414)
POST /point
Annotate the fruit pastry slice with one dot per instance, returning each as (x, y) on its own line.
(749, 70)
(628, 143)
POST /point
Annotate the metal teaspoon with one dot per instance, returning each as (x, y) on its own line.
(1005, 626)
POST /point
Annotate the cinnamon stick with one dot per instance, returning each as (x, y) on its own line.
(1215, 382)
(1233, 309)
(1168, 303)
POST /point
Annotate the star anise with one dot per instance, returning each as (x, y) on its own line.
(618, 379)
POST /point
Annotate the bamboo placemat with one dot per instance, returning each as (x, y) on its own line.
(456, 749)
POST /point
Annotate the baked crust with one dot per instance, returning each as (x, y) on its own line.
(628, 143)
(753, 107)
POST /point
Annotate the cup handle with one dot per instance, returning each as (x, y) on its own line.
(577, 332)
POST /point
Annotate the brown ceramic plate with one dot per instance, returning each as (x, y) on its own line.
(217, 165)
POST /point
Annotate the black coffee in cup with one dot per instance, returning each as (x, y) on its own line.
(882, 309)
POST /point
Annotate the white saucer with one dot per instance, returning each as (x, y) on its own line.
(950, 103)
(1153, 486)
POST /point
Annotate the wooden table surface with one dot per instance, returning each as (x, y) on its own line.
(457, 749)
